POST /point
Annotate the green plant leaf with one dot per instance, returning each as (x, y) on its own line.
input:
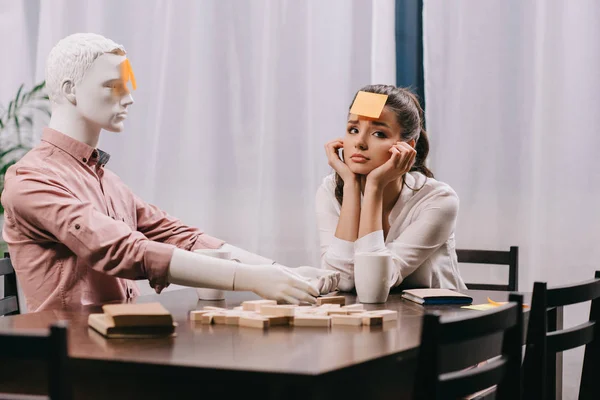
(39, 86)
(10, 105)
(5, 168)
(18, 95)
(14, 148)
(18, 127)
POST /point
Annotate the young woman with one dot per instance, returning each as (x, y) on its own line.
(382, 198)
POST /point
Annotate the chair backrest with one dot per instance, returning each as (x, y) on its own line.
(510, 258)
(50, 346)
(448, 333)
(544, 341)
(9, 304)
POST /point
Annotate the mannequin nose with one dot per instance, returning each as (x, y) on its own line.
(127, 100)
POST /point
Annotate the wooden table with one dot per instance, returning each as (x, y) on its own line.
(227, 361)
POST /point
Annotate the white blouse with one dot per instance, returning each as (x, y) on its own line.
(420, 239)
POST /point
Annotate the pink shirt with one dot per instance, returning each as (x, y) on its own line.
(78, 235)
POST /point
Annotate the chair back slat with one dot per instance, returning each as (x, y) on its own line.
(573, 294)
(6, 267)
(462, 383)
(9, 305)
(571, 338)
(483, 257)
(481, 324)
(494, 257)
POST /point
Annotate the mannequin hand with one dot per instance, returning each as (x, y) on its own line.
(325, 280)
(401, 161)
(275, 282)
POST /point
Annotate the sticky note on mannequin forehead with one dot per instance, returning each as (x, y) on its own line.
(127, 74)
(368, 104)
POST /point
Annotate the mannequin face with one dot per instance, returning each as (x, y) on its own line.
(102, 97)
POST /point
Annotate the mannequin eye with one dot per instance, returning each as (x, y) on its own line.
(380, 135)
(352, 129)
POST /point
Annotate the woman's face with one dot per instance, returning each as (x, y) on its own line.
(368, 141)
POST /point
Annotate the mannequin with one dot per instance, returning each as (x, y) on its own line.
(88, 79)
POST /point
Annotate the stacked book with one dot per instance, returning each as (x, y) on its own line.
(133, 321)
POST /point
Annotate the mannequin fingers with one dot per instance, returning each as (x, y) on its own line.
(300, 296)
(305, 286)
(289, 299)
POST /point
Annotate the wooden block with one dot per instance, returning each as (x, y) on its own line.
(339, 311)
(328, 306)
(305, 310)
(280, 311)
(388, 315)
(211, 308)
(275, 320)
(354, 307)
(331, 300)
(312, 320)
(220, 319)
(371, 320)
(353, 320)
(238, 308)
(254, 305)
(196, 315)
(207, 318)
(254, 322)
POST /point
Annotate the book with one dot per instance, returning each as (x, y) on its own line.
(436, 296)
(104, 325)
(133, 321)
(135, 315)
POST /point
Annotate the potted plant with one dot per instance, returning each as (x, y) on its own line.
(17, 132)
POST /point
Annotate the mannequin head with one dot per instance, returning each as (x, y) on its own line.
(84, 79)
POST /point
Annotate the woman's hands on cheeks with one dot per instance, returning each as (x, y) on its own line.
(401, 161)
(335, 162)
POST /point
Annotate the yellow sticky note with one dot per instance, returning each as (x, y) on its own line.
(368, 104)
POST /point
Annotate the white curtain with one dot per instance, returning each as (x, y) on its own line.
(513, 93)
(235, 101)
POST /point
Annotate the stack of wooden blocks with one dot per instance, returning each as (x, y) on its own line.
(330, 310)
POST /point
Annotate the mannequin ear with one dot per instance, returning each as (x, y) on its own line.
(412, 143)
(67, 89)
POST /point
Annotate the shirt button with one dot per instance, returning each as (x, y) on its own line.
(77, 226)
(84, 159)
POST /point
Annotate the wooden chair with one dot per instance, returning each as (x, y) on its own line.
(510, 258)
(9, 304)
(544, 341)
(49, 346)
(439, 379)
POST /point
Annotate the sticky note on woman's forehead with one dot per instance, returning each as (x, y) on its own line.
(368, 104)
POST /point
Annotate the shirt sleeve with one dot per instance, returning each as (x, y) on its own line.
(430, 229)
(336, 254)
(159, 226)
(46, 210)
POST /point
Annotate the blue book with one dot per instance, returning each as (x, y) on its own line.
(436, 296)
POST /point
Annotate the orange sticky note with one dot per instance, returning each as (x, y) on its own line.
(127, 74)
(368, 104)
(500, 303)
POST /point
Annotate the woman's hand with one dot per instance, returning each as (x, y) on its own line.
(335, 162)
(401, 161)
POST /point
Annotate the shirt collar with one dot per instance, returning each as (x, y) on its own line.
(82, 152)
